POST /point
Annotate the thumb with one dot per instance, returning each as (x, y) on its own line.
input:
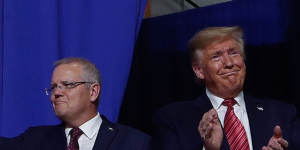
(277, 132)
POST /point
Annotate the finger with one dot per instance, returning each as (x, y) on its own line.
(201, 132)
(275, 146)
(214, 114)
(213, 120)
(216, 121)
(210, 114)
(204, 122)
(207, 118)
(266, 148)
(284, 143)
(212, 110)
(269, 148)
(277, 132)
(201, 129)
(205, 126)
(208, 131)
(201, 124)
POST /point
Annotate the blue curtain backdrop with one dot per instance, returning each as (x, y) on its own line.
(35, 33)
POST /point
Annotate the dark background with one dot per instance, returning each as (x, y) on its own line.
(161, 72)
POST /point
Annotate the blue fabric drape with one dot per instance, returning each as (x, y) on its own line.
(35, 33)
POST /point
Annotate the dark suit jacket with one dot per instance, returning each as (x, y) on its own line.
(3, 140)
(110, 137)
(175, 126)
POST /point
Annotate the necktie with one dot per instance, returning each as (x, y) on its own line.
(235, 132)
(75, 134)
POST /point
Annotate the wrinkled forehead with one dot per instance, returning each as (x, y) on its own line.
(218, 47)
(223, 46)
(67, 72)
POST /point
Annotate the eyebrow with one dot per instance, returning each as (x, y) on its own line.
(217, 52)
(62, 82)
(232, 49)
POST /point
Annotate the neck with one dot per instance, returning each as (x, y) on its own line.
(227, 94)
(79, 120)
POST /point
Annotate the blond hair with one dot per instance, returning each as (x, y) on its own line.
(211, 35)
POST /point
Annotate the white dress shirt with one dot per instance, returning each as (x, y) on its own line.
(90, 131)
(239, 110)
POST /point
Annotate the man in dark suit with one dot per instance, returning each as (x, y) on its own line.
(224, 117)
(75, 90)
(3, 140)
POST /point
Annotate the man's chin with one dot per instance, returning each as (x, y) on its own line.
(60, 115)
(232, 80)
(234, 90)
(59, 112)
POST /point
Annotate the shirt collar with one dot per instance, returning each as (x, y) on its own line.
(89, 128)
(217, 101)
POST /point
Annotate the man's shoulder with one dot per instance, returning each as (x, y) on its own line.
(122, 129)
(41, 132)
(122, 136)
(126, 130)
(188, 106)
(45, 128)
(270, 105)
(183, 112)
(268, 102)
(37, 136)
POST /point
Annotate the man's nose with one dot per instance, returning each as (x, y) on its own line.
(57, 88)
(57, 96)
(57, 91)
(227, 61)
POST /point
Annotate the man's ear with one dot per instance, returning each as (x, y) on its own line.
(198, 70)
(94, 91)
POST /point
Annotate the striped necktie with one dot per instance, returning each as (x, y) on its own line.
(235, 132)
(75, 134)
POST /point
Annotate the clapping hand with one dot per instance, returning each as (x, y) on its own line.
(210, 130)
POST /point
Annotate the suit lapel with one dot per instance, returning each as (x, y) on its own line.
(257, 121)
(203, 103)
(106, 135)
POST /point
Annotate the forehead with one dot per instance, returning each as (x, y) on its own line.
(222, 46)
(67, 72)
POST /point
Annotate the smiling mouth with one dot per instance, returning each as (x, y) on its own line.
(58, 102)
(229, 73)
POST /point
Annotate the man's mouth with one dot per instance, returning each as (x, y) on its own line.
(58, 102)
(229, 73)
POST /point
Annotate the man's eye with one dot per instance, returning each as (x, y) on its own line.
(215, 57)
(233, 52)
(69, 85)
(52, 87)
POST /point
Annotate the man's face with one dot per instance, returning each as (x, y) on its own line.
(69, 102)
(222, 67)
